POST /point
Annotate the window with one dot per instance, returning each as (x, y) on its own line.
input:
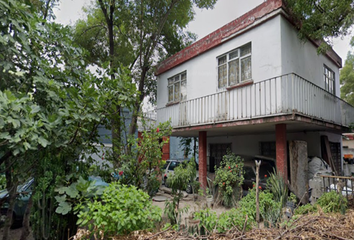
(267, 149)
(235, 66)
(177, 87)
(328, 77)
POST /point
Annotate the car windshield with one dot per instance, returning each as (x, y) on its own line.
(166, 164)
(173, 165)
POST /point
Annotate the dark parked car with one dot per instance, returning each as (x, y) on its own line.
(24, 192)
(267, 167)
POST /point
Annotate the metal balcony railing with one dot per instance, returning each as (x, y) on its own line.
(276, 96)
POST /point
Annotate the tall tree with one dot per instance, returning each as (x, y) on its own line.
(347, 78)
(50, 107)
(322, 20)
(143, 30)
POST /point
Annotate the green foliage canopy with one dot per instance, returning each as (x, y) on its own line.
(347, 79)
(322, 20)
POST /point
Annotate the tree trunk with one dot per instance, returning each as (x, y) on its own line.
(116, 118)
(11, 187)
(139, 100)
(116, 136)
(26, 220)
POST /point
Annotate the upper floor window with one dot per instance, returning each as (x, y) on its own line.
(177, 87)
(235, 66)
(329, 79)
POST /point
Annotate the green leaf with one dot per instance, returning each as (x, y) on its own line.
(63, 208)
(42, 141)
(35, 109)
(72, 191)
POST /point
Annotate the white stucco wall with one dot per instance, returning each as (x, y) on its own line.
(202, 70)
(302, 58)
(276, 50)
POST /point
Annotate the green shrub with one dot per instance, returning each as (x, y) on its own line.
(121, 210)
(305, 209)
(329, 202)
(227, 220)
(333, 202)
(229, 178)
(269, 209)
(235, 217)
(208, 219)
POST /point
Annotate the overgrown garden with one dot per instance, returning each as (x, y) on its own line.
(51, 107)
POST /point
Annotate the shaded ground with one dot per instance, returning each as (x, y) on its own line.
(15, 234)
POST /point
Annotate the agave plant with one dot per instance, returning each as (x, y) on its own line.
(278, 187)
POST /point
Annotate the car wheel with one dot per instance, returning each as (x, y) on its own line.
(189, 189)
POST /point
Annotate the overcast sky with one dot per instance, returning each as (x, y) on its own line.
(205, 21)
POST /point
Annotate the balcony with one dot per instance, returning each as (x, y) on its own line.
(283, 95)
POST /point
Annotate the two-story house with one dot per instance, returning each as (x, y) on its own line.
(253, 86)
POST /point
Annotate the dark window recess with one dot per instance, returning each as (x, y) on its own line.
(267, 149)
(336, 155)
(217, 151)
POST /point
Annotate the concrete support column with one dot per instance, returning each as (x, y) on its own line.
(203, 159)
(281, 151)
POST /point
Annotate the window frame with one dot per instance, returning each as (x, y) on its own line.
(224, 66)
(172, 83)
(329, 81)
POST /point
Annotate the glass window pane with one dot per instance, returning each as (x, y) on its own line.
(246, 71)
(177, 78)
(233, 54)
(329, 79)
(170, 81)
(222, 77)
(233, 72)
(183, 90)
(170, 93)
(177, 91)
(221, 60)
(246, 49)
(183, 76)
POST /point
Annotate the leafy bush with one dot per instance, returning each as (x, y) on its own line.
(122, 209)
(333, 202)
(329, 202)
(227, 220)
(269, 209)
(229, 178)
(70, 198)
(141, 162)
(235, 217)
(208, 219)
(305, 209)
(184, 174)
